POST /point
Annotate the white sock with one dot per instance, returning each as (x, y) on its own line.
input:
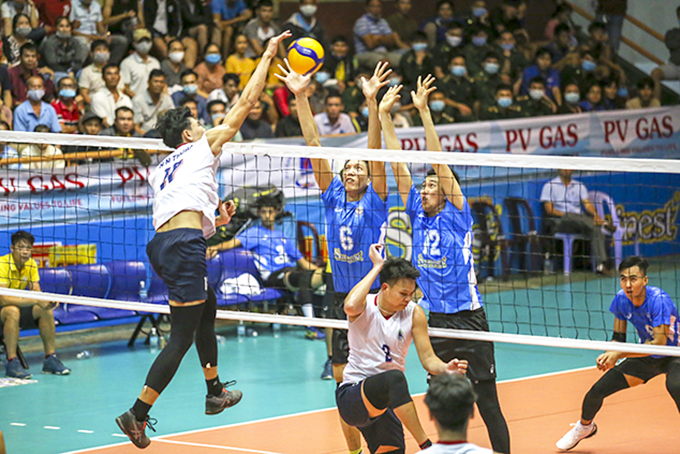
(308, 310)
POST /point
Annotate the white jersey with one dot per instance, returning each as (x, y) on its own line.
(377, 344)
(185, 181)
(456, 448)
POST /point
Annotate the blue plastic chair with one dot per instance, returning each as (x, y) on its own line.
(126, 277)
(58, 280)
(234, 263)
(91, 281)
(158, 291)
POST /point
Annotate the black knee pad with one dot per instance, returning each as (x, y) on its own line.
(387, 390)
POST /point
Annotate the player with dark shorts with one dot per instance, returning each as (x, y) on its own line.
(185, 200)
(356, 210)
(655, 318)
(441, 222)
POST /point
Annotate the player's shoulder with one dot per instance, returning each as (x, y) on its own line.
(656, 293)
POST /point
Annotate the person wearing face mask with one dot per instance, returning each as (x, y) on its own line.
(305, 24)
(148, 105)
(21, 30)
(121, 17)
(352, 97)
(190, 90)
(135, 69)
(62, 52)
(374, 40)
(542, 68)
(259, 29)
(443, 52)
(488, 80)
(615, 95)
(67, 109)
(229, 17)
(580, 70)
(88, 23)
(507, 17)
(9, 10)
(163, 19)
(572, 96)
(28, 67)
(476, 50)
(512, 61)
(459, 88)
(401, 21)
(339, 62)
(505, 106)
(91, 80)
(173, 66)
(435, 28)
(476, 17)
(34, 110)
(536, 103)
(198, 22)
(416, 61)
(442, 114)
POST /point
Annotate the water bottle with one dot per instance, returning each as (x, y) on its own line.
(547, 264)
(241, 330)
(83, 355)
(220, 339)
(142, 291)
(276, 328)
(154, 340)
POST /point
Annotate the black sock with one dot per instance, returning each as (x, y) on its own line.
(426, 444)
(140, 410)
(330, 357)
(214, 386)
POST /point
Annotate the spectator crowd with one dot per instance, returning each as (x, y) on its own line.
(111, 67)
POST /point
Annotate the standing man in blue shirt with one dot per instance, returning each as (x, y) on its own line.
(442, 251)
(356, 212)
(655, 318)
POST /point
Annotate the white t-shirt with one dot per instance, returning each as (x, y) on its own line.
(377, 344)
(455, 448)
(567, 199)
(185, 181)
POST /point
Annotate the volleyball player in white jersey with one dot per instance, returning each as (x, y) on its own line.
(374, 395)
(185, 191)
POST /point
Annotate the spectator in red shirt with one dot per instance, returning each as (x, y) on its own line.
(27, 67)
(50, 10)
(66, 106)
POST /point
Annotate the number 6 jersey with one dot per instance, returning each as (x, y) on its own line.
(185, 181)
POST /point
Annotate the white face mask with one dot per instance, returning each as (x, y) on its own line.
(143, 47)
(536, 94)
(176, 57)
(454, 41)
(308, 10)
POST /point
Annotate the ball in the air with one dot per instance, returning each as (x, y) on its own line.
(305, 56)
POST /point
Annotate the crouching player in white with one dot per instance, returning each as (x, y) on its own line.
(374, 395)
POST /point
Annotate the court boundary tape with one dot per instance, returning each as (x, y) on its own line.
(162, 438)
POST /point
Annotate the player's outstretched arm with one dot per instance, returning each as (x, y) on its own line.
(297, 84)
(446, 179)
(607, 360)
(370, 88)
(355, 301)
(223, 133)
(428, 359)
(400, 169)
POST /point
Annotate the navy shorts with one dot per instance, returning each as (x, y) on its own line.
(646, 367)
(385, 430)
(178, 257)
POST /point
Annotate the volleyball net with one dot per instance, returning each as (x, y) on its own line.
(90, 208)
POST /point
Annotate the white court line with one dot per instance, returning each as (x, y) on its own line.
(224, 448)
(20, 424)
(274, 418)
(83, 431)
(51, 427)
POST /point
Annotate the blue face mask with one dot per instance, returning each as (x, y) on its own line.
(478, 12)
(322, 77)
(67, 93)
(437, 105)
(213, 59)
(572, 98)
(623, 92)
(588, 66)
(190, 89)
(507, 46)
(419, 47)
(458, 71)
(479, 41)
(216, 117)
(491, 68)
(364, 112)
(504, 102)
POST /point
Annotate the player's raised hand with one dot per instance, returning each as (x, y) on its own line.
(389, 99)
(457, 366)
(227, 211)
(273, 44)
(424, 89)
(375, 253)
(371, 87)
(295, 82)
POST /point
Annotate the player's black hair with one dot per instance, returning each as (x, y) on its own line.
(187, 72)
(397, 268)
(172, 124)
(214, 102)
(20, 235)
(451, 400)
(432, 173)
(231, 76)
(156, 73)
(98, 43)
(632, 261)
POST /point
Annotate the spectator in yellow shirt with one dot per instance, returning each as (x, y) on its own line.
(19, 271)
(238, 63)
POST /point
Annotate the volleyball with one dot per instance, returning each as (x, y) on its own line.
(305, 56)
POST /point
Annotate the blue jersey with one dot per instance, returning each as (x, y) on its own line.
(442, 252)
(271, 249)
(351, 228)
(658, 309)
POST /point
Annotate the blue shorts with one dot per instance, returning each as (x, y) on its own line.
(385, 430)
(178, 257)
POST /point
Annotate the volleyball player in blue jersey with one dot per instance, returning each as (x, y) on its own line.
(356, 211)
(442, 251)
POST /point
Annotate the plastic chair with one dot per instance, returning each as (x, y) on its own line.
(601, 200)
(126, 278)
(58, 280)
(91, 281)
(523, 244)
(236, 262)
(568, 249)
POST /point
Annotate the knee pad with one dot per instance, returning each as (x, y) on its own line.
(387, 390)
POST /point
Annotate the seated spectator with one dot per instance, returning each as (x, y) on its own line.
(189, 81)
(562, 199)
(477, 49)
(488, 80)
(581, 70)
(147, 106)
(598, 41)
(645, 95)
(561, 47)
(173, 66)
(63, 53)
(5, 95)
(43, 150)
(111, 97)
(339, 62)
(197, 22)
(229, 16)
(218, 112)
(333, 120)
(66, 107)
(505, 106)
(572, 97)
(10, 9)
(50, 10)
(459, 88)
(193, 108)
(305, 24)
(615, 96)
(441, 113)
(561, 16)
(542, 68)
(511, 60)
(238, 63)
(476, 17)
(165, 26)
(374, 40)
(34, 111)
(88, 25)
(91, 79)
(416, 62)
(443, 52)
(671, 70)
(229, 93)
(254, 127)
(593, 101)
(122, 17)
(507, 17)
(537, 103)
(19, 271)
(259, 29)
(401, 22)
(11, 43)
(352, 97)
(28, 67)
(135, 69)
(435, 28)
(289, 126)
(124, 126)
(8, 151)
(90, 125)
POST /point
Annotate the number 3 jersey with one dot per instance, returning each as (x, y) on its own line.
(442, 252)
(271, 249)
(185, 181)
(351, 228)
(378, 344)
